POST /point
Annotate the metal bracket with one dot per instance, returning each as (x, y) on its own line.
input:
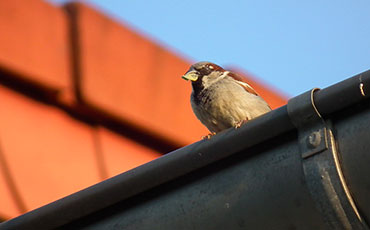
(322, 172)
(313, 135)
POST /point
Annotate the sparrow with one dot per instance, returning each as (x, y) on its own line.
(221, 99)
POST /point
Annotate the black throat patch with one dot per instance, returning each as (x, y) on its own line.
(201, 95)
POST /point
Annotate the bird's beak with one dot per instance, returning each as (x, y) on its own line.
(191, 75)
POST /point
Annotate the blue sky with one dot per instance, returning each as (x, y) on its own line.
(291, 45)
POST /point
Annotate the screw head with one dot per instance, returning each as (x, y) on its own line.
(314, 139)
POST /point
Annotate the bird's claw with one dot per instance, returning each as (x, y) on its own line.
(207, 137)
(240, 123)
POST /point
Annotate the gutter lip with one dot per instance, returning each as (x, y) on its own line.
(343, 94)
(187, 159)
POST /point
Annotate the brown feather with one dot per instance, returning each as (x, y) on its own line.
(239, 78)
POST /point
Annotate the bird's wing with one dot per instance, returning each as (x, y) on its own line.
(242, 82)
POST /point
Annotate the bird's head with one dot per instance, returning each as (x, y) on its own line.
(203, 73)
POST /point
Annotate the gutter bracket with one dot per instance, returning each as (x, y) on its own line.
(313, 134)
(321, 165)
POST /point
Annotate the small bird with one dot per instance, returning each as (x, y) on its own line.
(222, 99)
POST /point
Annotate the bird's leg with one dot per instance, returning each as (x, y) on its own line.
(240, 123)
(207, 137)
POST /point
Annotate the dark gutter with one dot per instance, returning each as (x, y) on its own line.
(179, 164)
(343, 94)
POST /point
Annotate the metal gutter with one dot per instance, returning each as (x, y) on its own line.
(343, 94)
(271, 144)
